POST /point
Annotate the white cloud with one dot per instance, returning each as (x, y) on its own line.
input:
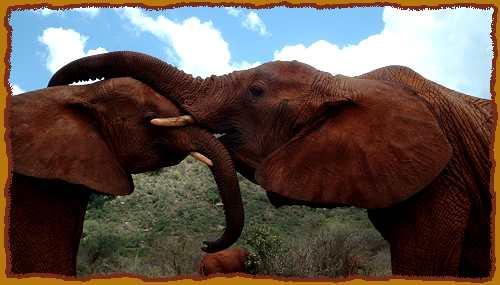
(98, 50)
(253, 22)
(64, 46)
(45, 11)
(89, 11)
(199, 46)
(449, 46)
(86, 82)
(16, 89)
(245, 65)
(233, 11)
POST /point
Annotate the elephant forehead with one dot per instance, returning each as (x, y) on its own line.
(277, 71)
(292, 66)
(140, 95)
(164, 106)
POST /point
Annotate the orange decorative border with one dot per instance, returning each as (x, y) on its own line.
(7, 6)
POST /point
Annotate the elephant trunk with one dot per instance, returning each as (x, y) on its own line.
(164, 78)
(227, 183)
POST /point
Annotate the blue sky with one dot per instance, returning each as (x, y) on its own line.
(451, 46)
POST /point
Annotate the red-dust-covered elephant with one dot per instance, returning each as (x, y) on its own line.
(68, 141)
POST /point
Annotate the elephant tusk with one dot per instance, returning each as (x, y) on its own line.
(202, 158)
(174, 121)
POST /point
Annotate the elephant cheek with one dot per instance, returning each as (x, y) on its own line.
(244, 166)
(171, 157)
(159, 157)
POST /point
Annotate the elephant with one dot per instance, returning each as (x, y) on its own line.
(231, 260)
(412, 152)
(66, 142)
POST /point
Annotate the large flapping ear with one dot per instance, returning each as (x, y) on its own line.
(53, 137)
(378, 150)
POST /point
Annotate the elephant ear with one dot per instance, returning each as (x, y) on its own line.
(53, 137)
(379, 149)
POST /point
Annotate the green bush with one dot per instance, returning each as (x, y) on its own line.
(252, 263)
(100, 244)
(97, 201)
(155, 172)
(213, 195)
(174, 255)
(332, 252)
(264, 244)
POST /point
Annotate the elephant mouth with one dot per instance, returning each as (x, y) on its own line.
(244, 165)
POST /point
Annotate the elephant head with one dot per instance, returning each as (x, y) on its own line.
(300, 132)
(318, 139)
(97, 135)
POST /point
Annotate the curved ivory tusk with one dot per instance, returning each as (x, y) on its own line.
(202, 158)
(173, 121)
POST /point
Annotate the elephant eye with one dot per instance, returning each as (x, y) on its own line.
(256, 91)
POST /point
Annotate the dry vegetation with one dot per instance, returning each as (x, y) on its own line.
(157, 231)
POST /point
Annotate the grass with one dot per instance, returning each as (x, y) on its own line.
(157, 231)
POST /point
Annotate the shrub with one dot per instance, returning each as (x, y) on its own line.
(264, 244)
(213, 195)
(96, 201)
(174, 255)
(99, 250)
(331, 252)
(155, 172)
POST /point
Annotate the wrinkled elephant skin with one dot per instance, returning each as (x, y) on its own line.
(231, 260)
(68, 141)
(415, 153)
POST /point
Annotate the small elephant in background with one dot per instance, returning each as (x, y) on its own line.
(68, 141)
(231, 260)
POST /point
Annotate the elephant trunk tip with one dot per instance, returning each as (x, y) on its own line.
(222, 243)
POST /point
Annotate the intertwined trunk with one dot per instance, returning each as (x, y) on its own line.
(178, 86)
(227, 183)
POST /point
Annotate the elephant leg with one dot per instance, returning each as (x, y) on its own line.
(45, 225)
(476, 255)
(426, 232)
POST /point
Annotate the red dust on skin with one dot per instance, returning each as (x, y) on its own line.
(67, 141)
(231, 260)
(379, 141)
(319, 6)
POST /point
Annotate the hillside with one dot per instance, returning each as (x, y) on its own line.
(157, 231)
